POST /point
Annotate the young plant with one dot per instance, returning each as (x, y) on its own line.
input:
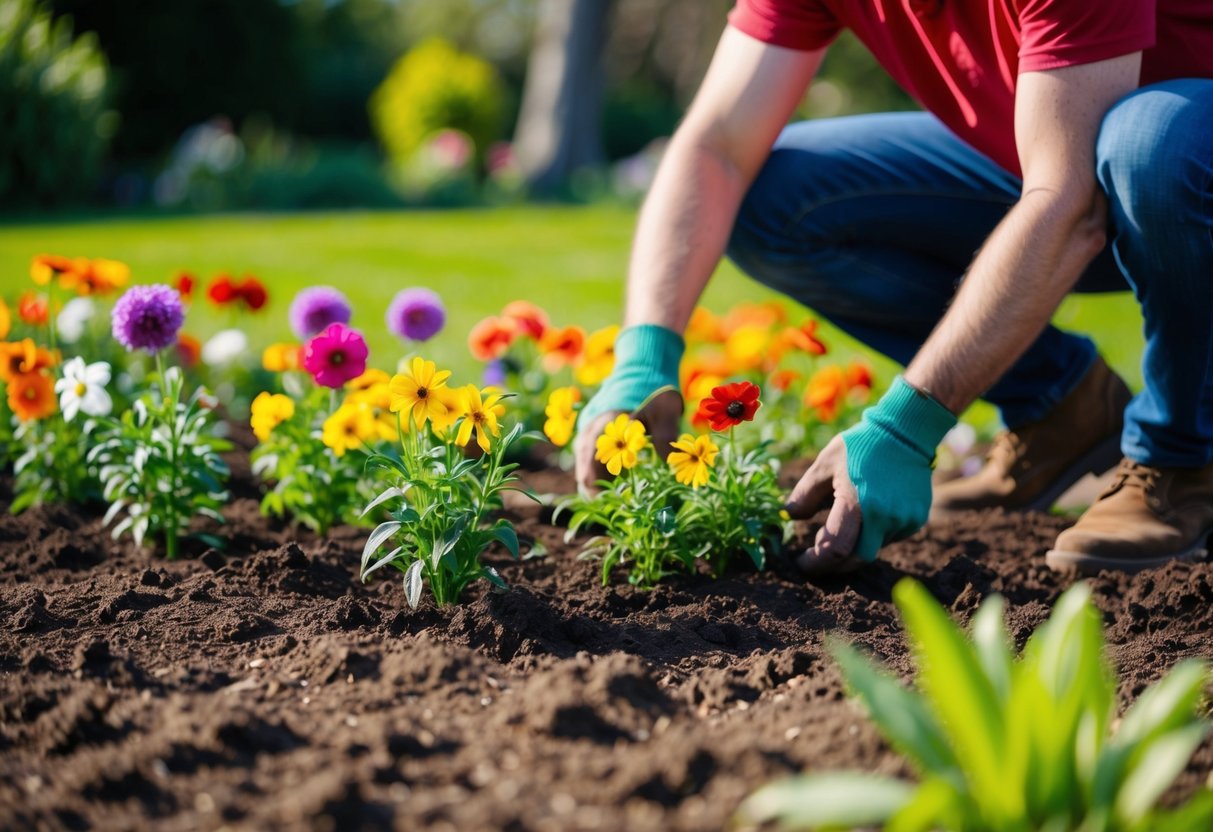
(312, 449)
(53, 466)
(636, 512)
(703, 503)
(440, 501)
(1003, 744)
(159, 464)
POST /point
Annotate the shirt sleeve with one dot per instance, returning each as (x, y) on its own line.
(1061, 33)
(795, 24)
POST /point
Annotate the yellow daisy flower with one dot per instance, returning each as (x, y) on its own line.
(350, 426)
(561, 417)
(620, 444)
(479, 410)
(692, 459)
(597, 357)
(269, 410)
(419, 391)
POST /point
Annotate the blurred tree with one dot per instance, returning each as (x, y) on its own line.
(53, 105)
(558, 129)
(177, 64)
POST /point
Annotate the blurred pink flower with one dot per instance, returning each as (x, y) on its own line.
(336, 355)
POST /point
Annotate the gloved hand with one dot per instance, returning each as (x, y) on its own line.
(643, 383)
(879, 474)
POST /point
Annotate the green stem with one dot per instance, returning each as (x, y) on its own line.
(169, 411)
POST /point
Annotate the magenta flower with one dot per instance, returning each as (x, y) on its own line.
(335, 356)
(315, 308)
(416, 314)
(148, 318)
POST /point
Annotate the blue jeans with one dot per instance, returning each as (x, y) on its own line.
(872, 221)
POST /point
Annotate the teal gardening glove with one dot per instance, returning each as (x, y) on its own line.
(646, 361)
(889, 457)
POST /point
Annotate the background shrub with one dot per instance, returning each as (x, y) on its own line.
(434, 86)
(54, 92)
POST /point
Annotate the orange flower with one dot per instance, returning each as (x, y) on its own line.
(859, 375)
(189, 350)
(804, 338)
(825, 392)
(529, 318)
(32, 396)
(764, 315)
(704, 327)
(33, 309)
(561, 347)
(46, 267)
(783, 379)
(491, 337)
(18, 358)
(95, 277)
(6, 320)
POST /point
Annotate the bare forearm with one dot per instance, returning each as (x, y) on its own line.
(1029, 264)
(682, 232)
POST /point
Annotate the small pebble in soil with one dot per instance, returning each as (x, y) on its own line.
(256, 663)
(792, 733)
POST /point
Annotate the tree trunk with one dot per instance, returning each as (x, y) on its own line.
(559, 123)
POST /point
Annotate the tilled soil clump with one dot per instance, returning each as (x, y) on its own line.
(266, 687)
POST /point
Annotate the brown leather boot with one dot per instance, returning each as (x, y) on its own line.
(1029, 467)
(1145, 518)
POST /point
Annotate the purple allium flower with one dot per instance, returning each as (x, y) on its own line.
(148, 317)
(335, 356)
(315, 308)
(416, 314)
(494, 373)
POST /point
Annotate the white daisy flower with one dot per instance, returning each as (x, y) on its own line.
(74, 318)
(224, 347)
(83, 388)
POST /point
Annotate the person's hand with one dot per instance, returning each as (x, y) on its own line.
(644, 384)
(660, 415)
(878, 475)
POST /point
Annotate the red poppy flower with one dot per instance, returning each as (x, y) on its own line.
(252, 292)
(221, 291)
(184, 284)
(731, 404)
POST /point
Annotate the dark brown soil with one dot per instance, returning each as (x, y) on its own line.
(265, 687)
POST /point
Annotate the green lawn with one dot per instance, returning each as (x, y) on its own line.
(569, 260)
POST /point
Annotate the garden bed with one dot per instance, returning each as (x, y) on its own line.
(267, 687)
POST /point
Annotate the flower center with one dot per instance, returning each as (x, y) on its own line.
(620, 444)
(337, 358)
(694, 459)
(735, 409)
(31, 394)
(422, 392)
(478, 417)
(81, 388)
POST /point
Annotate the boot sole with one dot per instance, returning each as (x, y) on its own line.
(1099, 460)
(1083, 563)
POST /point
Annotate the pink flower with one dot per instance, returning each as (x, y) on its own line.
(335, 356)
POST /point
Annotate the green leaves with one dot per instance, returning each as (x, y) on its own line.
(439, 503)
(1006, 745)
(160, 464)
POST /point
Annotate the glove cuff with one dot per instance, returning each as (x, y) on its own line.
(913, 416)
(646, 360)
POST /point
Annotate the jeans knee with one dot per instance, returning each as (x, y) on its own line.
(1151, 156)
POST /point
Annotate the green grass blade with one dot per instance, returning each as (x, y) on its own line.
(1157, 767)
(962, 696)
(841, 800)
(902, 715)
(993, 645)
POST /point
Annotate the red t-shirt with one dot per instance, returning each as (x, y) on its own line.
(959, 58)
